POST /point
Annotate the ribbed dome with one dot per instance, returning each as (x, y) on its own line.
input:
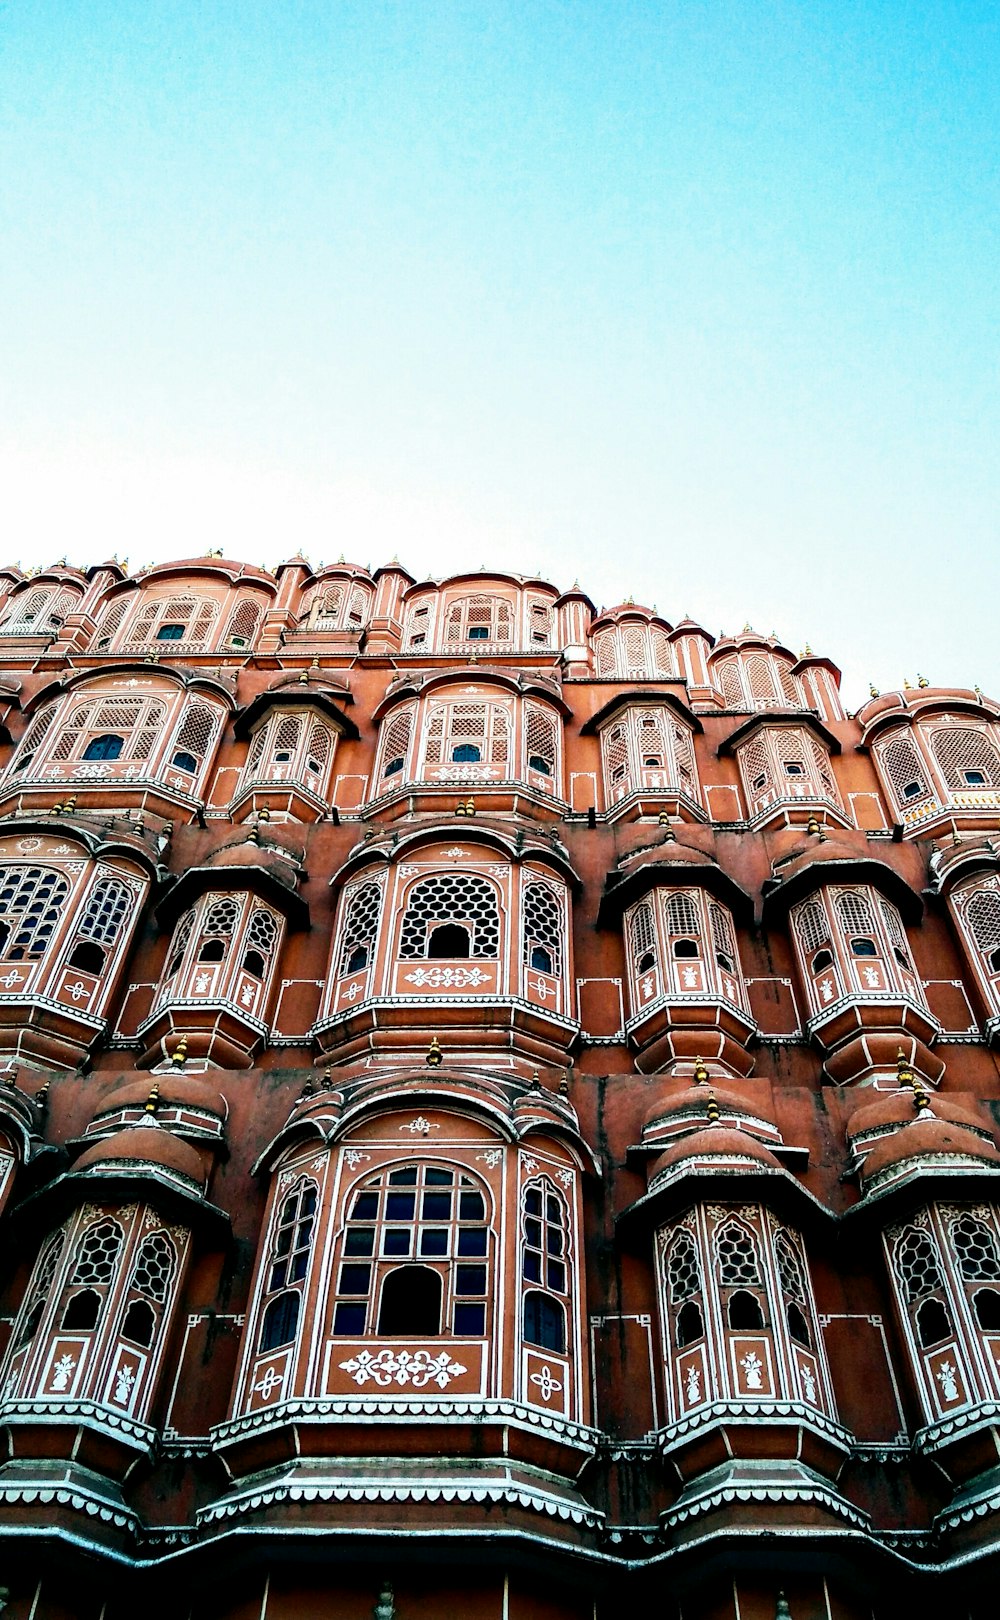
(926, 1136)
(145, 1144)
(715, 1142)
(692, 1101)
(173, 1091)
(897, 1108)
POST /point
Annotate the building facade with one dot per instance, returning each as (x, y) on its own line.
(498, 1109)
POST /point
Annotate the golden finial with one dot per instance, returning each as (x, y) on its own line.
(812, 826)
(473, 659)
(263, 814)
(303, 677)
(327, 1080)
(664, 818)
(536, 1081)
(470, 807)
(809, 652)
(700, 1072)
(873, 690)
(955, 840)
(178, 1056)
(564, 1087)
(434, 1058)
(42, 1097)
(921, 1101)
(460, 808)
(906, 685)
(712, 1110)
(904, 1074)
(70, 805)
(153, 1100)
(922, 680)
(254, 835)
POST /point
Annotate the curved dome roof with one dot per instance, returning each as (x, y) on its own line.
(924, 1137)
(802, 869)
(174, 1090)
(714, 1142)
(898, 1108)
(145, 1144)
(691, 1103)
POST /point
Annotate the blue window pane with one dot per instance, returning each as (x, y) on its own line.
(349, 1319)
(434, 1241)
(354, 1279)
(396, 1242)
(437, 1206)
(170, 632)
(359, 1240)
(472, 1240)
(400, 1206)
(470, 1279)
(470, 1320)
(471, 1207)
(365, 1207)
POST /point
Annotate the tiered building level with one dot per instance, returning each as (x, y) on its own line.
(498, 1109)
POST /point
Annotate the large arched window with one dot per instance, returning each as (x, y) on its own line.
(415, 1259)
(394, 749)
(543, 928)
(545, 1266)
(471, 619)
(966, 757)
(464, 903)
(291, 1244)
(39, 611)
(466, 734)
(101, 925)
(290, 747)
(32, 899)
(178, 623)
(361, 920)
(918, 1268)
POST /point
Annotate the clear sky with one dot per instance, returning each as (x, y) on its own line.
(698, 302)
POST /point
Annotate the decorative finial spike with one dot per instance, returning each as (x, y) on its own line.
(434, 1058)
(153, 1100)
(922, 680)
(873, 690)
(700, 1072)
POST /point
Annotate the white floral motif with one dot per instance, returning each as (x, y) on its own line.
(12, 978)
(565, 1177)
(808, 1382)
(124, 1379)
(753, 1367)
(26, 845)
(420, 1126)
(647, 985)
(201, 983)
(548, 1385)
(491, 1158)
(266, 1386)
(63, 1372)
(455, 854)
(945, 1376)
(541, 989)
(77, 990)
(413, 1368)
(354, 1156)
(447, 978)
(692, 1384)
(529, 1166)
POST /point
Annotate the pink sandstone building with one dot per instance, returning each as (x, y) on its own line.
(498, 1110)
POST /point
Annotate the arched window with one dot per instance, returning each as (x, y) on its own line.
(361, 920)
(904, 770)
(404, 1223)
(542, 929)
(982, 913)
(683, 918)
(32, 899)
(39, 611)
(395, 746)
(545, 1264)
(102, 729)
(95, 1265)
(541, 740)
(241, 631)
(261, 937)
(291, 1241)
(793, 1288)
(739, 1269)
(194, 737)
(479, 618)
(183, 621)
(39, 1290)
(34, 737)
(101, 925)
(857, 923)
(217, 929)
(683, 1289)
(461, 899)
(643, 936)
(920, 1274)
(464, 734)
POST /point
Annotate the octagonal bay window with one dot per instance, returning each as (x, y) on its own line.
(787, 772)
(938, 756)
(464, 929)
(293, 730)
(647, 756)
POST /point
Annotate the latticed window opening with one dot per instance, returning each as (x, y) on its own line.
(982, 914)
(396, 745)
(544, 1263)
(738, 1259)
(479, 618)
(976, 1250)
(541, 740)
(243, 623)
(34, 737)
(539, 623)
(683, 915)
(730, 683)
(360, 928)
(110, 623)
(855, 916)
(154, 1268)
(31, 905)
(723, 938)
(758, 775)
(542, 928)
(604, 652)
(917, 1265)
(414, 1257)
(97, 1253)
(760, 678)
(187, 619)
(904, 770)
(616, 754)
(683, 1271)
(662, 661)
(38, 612)
(467, 734)
(261, 937)
(789, 686)
(218, 928)
(643, 932)
(319, 748)
(38, 1293)
(651, 735)
(288, 1265)
(194, 737)
(464, 902)
(790, 1269)
(107, 909)
(812, 925)
(417, 625)
(132, 725)
(897, 937)
(687, 779)
(179, 944)
(967, 757)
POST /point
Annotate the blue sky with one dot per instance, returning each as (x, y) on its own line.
(697, 302)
